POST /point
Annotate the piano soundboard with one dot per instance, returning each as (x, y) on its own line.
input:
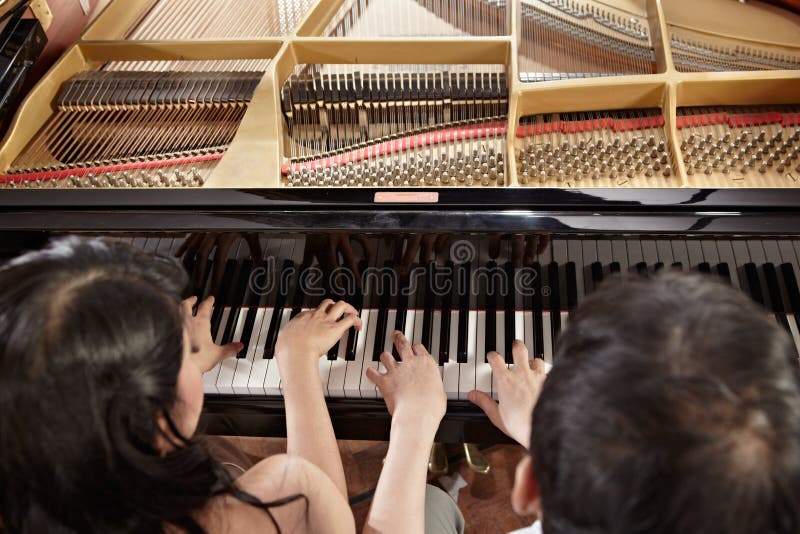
(417, 93)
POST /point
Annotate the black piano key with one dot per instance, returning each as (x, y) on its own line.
(572, 285)
(510, 322)
(614, 267)
(597, 273)
(238, 299)
(189, 264)
(298, 298)
(536, 311)
(658, 266)
(792, 290)
(704, 267)
(555, 300)
(676, 266)
(775, 297)
(251, 300)
(724, 272)
(383, 318)
(641, 269)
(463, 310)
(277, 313)
(429, 305)
(200, 289)
(333, 352)
(400, 318)
(221, 296)
(491, 313)
(754, 285)
(358, 304)
(447, 303)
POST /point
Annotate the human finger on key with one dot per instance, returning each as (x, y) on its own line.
(519, 352)
(402, 344)
(336, 311)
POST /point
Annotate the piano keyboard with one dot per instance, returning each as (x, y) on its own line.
(461, 326)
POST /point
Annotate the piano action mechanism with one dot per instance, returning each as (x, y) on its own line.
(413, 93)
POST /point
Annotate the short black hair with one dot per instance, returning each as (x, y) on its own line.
(673, 407)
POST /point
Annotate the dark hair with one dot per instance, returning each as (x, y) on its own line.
(90, 348)
(673, 407)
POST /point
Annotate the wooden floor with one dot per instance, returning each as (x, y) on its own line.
(485, 501)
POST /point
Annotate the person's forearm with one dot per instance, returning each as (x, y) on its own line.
(399, 501)
(309, 432)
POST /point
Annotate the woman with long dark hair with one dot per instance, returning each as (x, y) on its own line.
(101, 392)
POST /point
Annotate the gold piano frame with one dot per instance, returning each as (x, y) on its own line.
(255, 155)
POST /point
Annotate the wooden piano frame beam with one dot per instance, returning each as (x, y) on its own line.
(254, 158)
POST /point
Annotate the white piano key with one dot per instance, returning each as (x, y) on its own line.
(418, 318)
(501, 338)
(466, 375)
(355, 369)
(241, 376)
(210, 377)
(366, 387)
(619, 251)
(787, 252)
(559, 248)
(228, 367)
(694, 250)
(388, 344)
(680, 253)
(500, 331)
(255, 383)
(664, 250)
(436, 326)
(483, 372)
(756, 251)
(272, 380)
(575, 255)
(519, 326)
(772, 252)
(710, 251)
(411, 325)
(740, 253)
(391, 320)
(589, 257)
(794, 331)
(725, 251)
(339, 368)
(528, 332)
(604, 254)
(649, 253)
(547, 329)
(634, 250)
(164, 247)
(450, 370)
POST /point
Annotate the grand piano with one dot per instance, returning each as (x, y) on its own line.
(465, 172)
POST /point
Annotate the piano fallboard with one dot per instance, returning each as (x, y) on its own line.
(678, 211)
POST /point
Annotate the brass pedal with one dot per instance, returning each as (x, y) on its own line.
(475, 459)
(437, 461)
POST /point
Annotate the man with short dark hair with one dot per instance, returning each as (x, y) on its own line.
(673, 407)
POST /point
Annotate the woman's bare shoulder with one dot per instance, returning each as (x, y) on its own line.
(275, 480)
